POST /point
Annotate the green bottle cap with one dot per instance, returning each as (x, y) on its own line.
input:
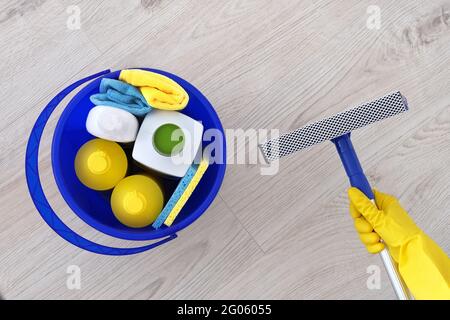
(168, 139)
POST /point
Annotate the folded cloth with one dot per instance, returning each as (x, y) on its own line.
(159, 91)
(118, 94)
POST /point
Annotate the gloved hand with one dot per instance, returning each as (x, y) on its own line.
(424, 266)
(386, 219)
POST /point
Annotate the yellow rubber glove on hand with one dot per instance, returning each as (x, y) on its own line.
(159, 91)
(424, 266)
(391, 222)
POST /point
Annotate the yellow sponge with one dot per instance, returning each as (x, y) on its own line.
(187, 192)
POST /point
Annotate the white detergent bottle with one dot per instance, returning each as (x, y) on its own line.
(168, 142)
(112, 124)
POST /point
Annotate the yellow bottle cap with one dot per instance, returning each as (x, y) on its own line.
(99, 162)
(134, 202)
(137, 201)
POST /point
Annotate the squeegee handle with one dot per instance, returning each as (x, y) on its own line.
(352, 166)
(359, 180)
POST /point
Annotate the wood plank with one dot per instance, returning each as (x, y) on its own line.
(262, 64)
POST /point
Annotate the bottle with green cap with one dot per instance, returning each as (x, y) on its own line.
(168, 142)
(137, 200)
(101, 164)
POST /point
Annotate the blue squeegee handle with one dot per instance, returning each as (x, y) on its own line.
(351, 164)
(359, 180)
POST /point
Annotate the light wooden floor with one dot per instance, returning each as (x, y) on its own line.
(262, 64)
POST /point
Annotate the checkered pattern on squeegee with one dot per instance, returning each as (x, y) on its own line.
(335, 126)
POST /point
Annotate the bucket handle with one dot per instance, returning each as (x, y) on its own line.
(37, 193)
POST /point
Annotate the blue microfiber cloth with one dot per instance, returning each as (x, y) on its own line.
(182, 185)
(118, 94)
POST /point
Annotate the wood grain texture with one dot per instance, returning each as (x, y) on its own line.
(263, 64)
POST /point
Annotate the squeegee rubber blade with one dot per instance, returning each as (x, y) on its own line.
(335, 126)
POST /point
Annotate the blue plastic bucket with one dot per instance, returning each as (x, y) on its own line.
(94, 207)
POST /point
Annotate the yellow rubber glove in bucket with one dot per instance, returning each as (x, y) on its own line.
(159, 91)
(424, 266)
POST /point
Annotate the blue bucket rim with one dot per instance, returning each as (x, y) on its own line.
(121, 234)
